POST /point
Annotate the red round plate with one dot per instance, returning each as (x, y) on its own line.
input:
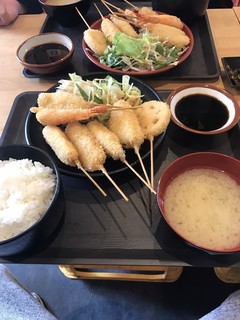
(88, 52)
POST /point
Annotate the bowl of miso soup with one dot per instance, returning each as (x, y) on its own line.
(203, 109)
(46, 53)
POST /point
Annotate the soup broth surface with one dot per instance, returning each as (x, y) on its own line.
(203, 206)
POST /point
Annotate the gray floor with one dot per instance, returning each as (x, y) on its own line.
(195, 293)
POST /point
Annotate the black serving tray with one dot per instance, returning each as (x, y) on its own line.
(109, 230)
(202, 64)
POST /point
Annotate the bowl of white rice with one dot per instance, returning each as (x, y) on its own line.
(199, 198)
(31, 199)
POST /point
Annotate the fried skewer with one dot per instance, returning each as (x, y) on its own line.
(91, 153)
(112, 145)
(123, 24)
(127, 128)
(154, 117)
(65, 150)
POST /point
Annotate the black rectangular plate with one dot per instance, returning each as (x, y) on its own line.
(202, 64)
(109, 230)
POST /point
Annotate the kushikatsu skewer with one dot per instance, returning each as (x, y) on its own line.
(91, 154)
(112, 146)
(154, 117)
(65, 150)
(127, 128)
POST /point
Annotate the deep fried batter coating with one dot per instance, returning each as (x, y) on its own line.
(91, 153)
(108, 140)
(170, 35)
(125, 125)
(154, 117)
(96, 41)
(146, 14)
(62, 147)
(61, 100)
(124, 26)
(109, 29)
(56, 117)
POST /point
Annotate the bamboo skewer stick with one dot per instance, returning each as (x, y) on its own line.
(151, 161)
(142, 165)
(82, 18)
(132, 5)
(112, 5)
(91, 179)
(100, 13)
(138, 175)
(115, 185)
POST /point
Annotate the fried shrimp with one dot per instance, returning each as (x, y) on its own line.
(108, 140)
(91, 153)
(171, 36)
(146, 14)
(109, 29)
(124, 26)
(55, 117)
(96, 41)
(62, 147)
(154, 117)
(62, 100)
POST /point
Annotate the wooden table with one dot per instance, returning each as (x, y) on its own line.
(224, 24)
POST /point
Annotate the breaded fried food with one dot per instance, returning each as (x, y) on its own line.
(109, 29)
(60, 144)
(61, 100)
(146, 14)
(96, 41)
(56, 117)
(125, 125)
(170, 35)
(124, 26)
(91, 153)
(154, 117)
(108, 140)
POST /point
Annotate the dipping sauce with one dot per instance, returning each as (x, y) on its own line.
(59, 2)
(201, 112)
(203, 206)
(46, 53)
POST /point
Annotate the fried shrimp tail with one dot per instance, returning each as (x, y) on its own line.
(55, 117)
(96, 41)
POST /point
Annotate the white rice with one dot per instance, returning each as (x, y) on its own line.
(26, 190)
(203, 205)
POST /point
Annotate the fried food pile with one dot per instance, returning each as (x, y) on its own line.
(87, 145)
(121, 31)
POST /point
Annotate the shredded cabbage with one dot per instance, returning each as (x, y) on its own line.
(142, 54)
(102, 91)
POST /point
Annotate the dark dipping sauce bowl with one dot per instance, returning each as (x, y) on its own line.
(64, 12)
(203, 109)
(46, 53)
